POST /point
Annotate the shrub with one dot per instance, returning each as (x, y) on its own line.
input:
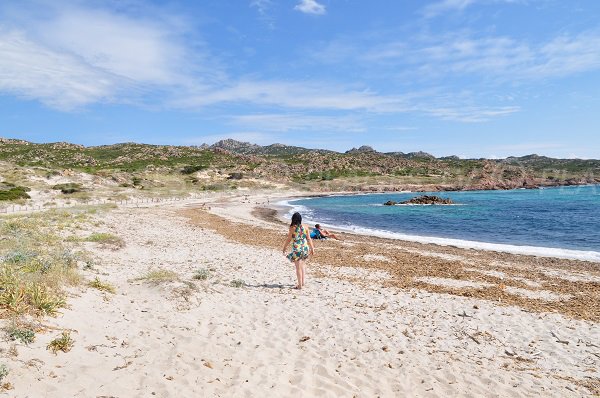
(201, 274)
(238, 283)
(3, 372)
(235, 176)
(24, 335)
(192, 169)
(19, 256)
(63, 343)
(105, 239)
(68, 188)
(34, 263)
(11, 192)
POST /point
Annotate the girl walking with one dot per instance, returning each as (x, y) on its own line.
(302, 246)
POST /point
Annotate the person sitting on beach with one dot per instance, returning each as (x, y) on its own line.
(323, 233)
(302, 246)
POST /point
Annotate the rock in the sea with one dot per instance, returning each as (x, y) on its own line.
(428, 200)
(389, 203)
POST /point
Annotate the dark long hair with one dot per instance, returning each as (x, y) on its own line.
(296, 219)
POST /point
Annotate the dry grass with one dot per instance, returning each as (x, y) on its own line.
(159, 275)
(37, 263)
(106, 239)
(102, 286)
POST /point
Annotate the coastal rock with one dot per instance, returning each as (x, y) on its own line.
(390, 203)
(428, 200)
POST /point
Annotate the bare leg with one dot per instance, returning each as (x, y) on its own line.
(303, 265)
(298, 264)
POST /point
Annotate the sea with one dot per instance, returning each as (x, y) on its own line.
(561, 222)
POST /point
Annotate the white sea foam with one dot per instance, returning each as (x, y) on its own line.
(465, 244)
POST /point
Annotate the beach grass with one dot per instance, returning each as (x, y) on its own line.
(62, 343)
(159, 275)
(102, 286)
(37, 263)
(105, 238)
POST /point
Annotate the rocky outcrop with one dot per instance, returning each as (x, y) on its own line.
(362, 149)
(428, 200)
(236, 146)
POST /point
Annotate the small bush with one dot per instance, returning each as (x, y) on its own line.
(3, 372)
(102, 286)
(201, 274)
(238, 283)
(192, 169)
(68, 188)
(45, 301)
(105, 239)
(12, 192)
(24, 335)
(63, 343)
(19, 256)
(159, 275)
(235, 176)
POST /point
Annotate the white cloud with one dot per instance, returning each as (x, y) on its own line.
(263, 7)
(76, 56)
(310, 7)
(461, 54)
(131, 48)
(80, 56)
(440, 7)
(471, 114)
(32, 71)
(400, 128)
(290, 122)
(308, 95)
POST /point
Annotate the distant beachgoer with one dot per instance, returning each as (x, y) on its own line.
(302, 246)
(316, 234)
(323, 233)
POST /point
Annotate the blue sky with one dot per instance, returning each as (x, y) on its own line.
(474, 78)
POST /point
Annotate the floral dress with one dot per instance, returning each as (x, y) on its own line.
(299, 244)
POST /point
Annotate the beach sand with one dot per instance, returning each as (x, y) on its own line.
(377, 317)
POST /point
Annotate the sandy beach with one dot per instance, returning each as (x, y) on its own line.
(378, 318)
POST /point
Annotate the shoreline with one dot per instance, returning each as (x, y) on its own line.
(285, 206)
(544, 284)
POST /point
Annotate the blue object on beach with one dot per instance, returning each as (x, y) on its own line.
(316, 234)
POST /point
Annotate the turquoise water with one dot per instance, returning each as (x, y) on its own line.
(566, 218)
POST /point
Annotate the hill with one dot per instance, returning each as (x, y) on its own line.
(357, 169)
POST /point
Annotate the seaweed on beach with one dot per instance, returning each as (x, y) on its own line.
(407, 263)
